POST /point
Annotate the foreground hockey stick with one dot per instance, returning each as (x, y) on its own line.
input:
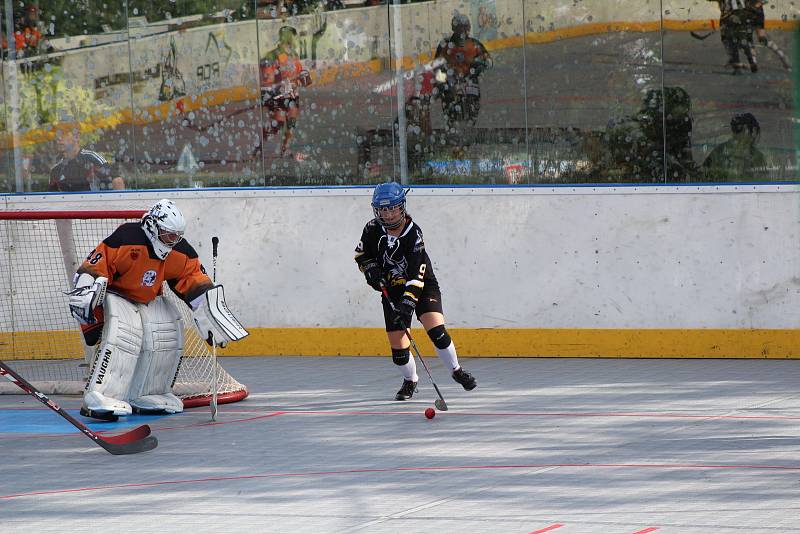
(131, 442)
(440, 404)
(213, 403)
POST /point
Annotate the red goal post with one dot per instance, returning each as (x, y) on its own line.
(41, 250)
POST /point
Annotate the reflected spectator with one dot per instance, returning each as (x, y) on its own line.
(637, 146)
(28, 36)
(80, 169)
(737, 158)
(736, 26)
(282, 75)
(456, 79)
(757, 16)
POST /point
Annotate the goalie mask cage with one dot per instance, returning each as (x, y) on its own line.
(41, 250)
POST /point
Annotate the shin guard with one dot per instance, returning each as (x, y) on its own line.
(162, 348)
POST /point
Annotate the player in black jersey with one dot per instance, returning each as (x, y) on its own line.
(392, 253)
(80, 169)
(756, 8)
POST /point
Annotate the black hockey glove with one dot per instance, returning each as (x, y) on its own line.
(405, 309)
(373, 275)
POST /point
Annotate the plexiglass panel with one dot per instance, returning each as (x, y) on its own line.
(53, 76)
(735, 64)
(463, 70)
(326, 94)
(220, 93)
(196, 121)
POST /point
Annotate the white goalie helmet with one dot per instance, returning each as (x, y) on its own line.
(164, 225)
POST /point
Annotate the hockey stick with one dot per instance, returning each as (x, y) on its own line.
(213, 404)
(704, 36)
(440, 404)
(131, 442)
(701, 36)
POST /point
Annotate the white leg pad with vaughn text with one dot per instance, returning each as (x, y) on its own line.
(113, 368)
(162, 348)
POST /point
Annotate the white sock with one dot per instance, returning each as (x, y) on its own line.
(410, 370)
(449, 356)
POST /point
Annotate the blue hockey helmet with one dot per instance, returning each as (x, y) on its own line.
(387, 196)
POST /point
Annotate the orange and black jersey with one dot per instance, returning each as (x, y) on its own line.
(462, 54)
(280, 65)
(403, 260)
(133, 270)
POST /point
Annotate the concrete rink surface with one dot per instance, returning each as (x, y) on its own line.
(607, 446)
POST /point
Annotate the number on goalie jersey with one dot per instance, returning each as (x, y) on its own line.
(392, 253)
(141, 333)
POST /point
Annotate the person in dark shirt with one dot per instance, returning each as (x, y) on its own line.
(756, 8)
(738, 159)
(392, 254)
(80, 169)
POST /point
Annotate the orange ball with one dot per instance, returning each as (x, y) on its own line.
(430, 413)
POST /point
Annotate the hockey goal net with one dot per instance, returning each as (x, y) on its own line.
(41, 250)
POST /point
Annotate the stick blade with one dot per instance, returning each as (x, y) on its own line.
(140, 432)
(148, 443)
(441, 405)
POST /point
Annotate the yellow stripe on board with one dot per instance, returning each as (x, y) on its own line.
(481, 342)
(582, 343)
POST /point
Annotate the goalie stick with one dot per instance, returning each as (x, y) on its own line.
(213, 403)
(131, 442)
(440, 404)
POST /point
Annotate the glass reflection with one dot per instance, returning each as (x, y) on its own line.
(731, 57)
(205, 93)
(196, 120)
(324, 91)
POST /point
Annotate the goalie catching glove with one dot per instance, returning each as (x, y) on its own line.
(88, 294)
(215, 322)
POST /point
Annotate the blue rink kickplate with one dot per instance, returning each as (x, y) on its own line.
(47, 422)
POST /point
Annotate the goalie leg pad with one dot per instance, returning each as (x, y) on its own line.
(162, 348)
(114, 365)
(151, 404)
(98, 406)
(214, 320)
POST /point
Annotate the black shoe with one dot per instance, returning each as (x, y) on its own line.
(406, 391)
(753, 68)
(99, 415)
(464, 378)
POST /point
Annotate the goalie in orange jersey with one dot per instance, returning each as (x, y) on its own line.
(117, 299)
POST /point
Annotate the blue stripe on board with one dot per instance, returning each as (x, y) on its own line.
(413, 186)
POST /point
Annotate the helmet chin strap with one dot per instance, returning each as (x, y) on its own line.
(394, 225)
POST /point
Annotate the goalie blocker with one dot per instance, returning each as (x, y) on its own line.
(214, 321)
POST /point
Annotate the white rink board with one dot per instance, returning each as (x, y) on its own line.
(540, 257)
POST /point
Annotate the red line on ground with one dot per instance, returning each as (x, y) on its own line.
(480, 414)
(215, 423)
(645, 531)
(547, 529)
(399, 470)
(553, 414)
